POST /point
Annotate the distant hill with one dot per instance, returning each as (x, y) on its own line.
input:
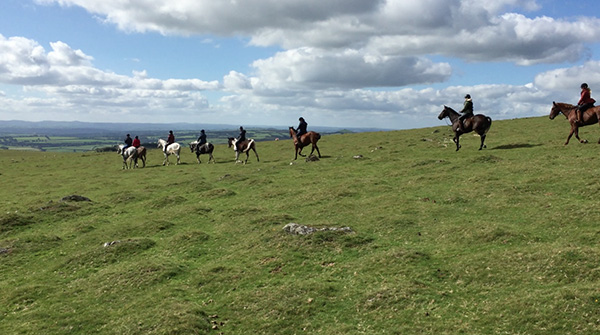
(77, 128)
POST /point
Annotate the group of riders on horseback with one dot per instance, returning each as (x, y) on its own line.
(466, 121)
(462, 122)
(240, 144)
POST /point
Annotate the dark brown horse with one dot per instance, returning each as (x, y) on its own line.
(141, 155)
(589, 117)
(478, 123)
(244, 146)
(206, 148)
(305, 139)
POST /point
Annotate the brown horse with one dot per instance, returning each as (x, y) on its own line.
(478, 123)
(589, 117)
(309, 138)
(141, 154)
(244, 146)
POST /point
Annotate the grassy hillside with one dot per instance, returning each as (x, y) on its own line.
(498, 241)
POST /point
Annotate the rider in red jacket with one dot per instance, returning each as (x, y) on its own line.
(585, 102)
(136, 142)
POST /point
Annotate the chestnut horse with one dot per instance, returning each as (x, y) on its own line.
(309, 138)
(245, 146)
(478, 123)
(141, 154)
(589, 117)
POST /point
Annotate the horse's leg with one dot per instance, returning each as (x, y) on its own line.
(198, 158)
(178, 160)
(144, 161)
(482, 140)
(577, 136)
(256, 153)
(570, 134)
(457, 140)
(316, 147)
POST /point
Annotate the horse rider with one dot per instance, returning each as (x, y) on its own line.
(466, 112)
(128, 142)
(301, 129)
(201, 139)
(170, 140)
(240, 138)
(585, 102)
(136, 142)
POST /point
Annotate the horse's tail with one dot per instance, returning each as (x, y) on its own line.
(249, 146)
(489, 119)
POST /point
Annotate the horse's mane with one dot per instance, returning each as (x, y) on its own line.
(564, 105)
(450, 108)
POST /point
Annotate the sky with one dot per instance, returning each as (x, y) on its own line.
(389, 64)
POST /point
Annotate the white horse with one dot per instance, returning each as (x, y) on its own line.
(172, 149)
(130, 154)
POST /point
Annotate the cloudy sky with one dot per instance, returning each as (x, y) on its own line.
(351, 63)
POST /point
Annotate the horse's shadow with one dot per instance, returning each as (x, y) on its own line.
(154, 166)
(516, 146)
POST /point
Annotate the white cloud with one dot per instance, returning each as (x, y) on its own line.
(67, 80)
(569, 79)
(471, 29)
(319, 69)
(339, 63)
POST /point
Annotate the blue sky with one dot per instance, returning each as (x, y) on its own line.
(350, 63)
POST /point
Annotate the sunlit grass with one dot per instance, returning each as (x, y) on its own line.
(498, 241)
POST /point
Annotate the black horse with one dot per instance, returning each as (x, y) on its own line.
(478, 123)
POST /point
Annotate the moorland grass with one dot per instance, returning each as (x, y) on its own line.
(498, 241)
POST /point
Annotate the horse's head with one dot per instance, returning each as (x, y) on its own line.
(230, 141)
(292, 131)
(119, 148)
(193, 146)
(445, 112)
(558, 108)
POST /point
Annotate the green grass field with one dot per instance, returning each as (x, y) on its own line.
(498, 241)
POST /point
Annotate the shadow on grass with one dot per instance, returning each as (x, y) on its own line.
(516, 146)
